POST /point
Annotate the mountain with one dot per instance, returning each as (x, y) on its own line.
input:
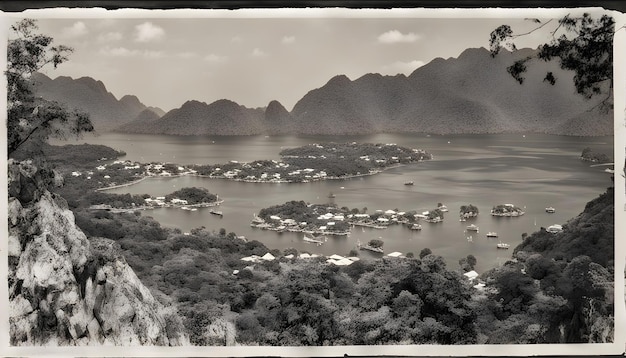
(277, 120)
(89, 95)
(222, 117)
(66, 289)
(470, 94)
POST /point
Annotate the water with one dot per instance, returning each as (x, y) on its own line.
(531, 171)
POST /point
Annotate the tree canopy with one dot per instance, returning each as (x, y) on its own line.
(31, 119)
(584, 46)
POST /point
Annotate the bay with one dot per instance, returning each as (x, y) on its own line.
(532, 171)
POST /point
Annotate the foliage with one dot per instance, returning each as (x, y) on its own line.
(29, 118)
(193, 195)
(589, 155)
(585, 47)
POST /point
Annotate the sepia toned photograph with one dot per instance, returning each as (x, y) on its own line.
(261, 181)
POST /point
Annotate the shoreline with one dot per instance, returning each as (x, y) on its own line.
(260, 181)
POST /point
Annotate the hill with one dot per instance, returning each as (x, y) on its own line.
(221, 117)
(89, 95)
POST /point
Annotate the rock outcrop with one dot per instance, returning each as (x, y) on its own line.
(66, 289)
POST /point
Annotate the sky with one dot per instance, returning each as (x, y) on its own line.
(253, 58)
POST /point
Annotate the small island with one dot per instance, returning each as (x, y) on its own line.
(375, 245)
(316, 162)
(589, 155)
(434, 216)
(190, 198)
(468, 211)
(326, 219)
(508, 210)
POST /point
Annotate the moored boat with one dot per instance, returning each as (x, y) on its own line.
(472, 227)
(215, 212)
(416, 227)
(492, 234)
(502, 245)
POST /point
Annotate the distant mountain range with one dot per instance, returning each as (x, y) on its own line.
(89, 95)
(473, 93)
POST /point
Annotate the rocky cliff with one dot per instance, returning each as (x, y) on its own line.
(66, 289)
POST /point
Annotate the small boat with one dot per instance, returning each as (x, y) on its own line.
(409, 183)
(462, 219)
(492, 234)
(550, 210)
(443, 208)
(416, 227)
(502, 245)
(185, 208)
(472, 228)
(214, 212)
(257, 220)
(313, 239)
(331, 195)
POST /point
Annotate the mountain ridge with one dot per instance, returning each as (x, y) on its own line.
(471, 93)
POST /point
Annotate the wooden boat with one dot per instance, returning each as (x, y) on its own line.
(214, 212)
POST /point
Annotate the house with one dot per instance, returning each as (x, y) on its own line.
(471, 275)
(554, 229)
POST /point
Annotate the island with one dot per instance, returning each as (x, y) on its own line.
(508, 210)
(468, 211)
(326, 219)
(189, 198)
(316, 162)
(589, 155)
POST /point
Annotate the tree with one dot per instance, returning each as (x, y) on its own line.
(31, 119)
(585, 47)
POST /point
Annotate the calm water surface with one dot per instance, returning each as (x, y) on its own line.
(531, 171)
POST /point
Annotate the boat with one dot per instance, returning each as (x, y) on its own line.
(331, 195)
(257, 220)
(214, 212)
(378, 250)
(409, 183)
(502, 245)
(462, 219)
(443, 208)
(472, 228)
(492, 234)
(313, 239)
(550, 210)
(416, 227)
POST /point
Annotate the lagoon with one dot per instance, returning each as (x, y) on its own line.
(532, 171)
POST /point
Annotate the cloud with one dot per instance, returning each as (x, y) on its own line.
(124, 52)
(215, 58)
(402, 67)
(110, 37)
(77, 29)
(118, 52)
(287, 40)
(147, 32)
(257, 52)
(395, 36)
